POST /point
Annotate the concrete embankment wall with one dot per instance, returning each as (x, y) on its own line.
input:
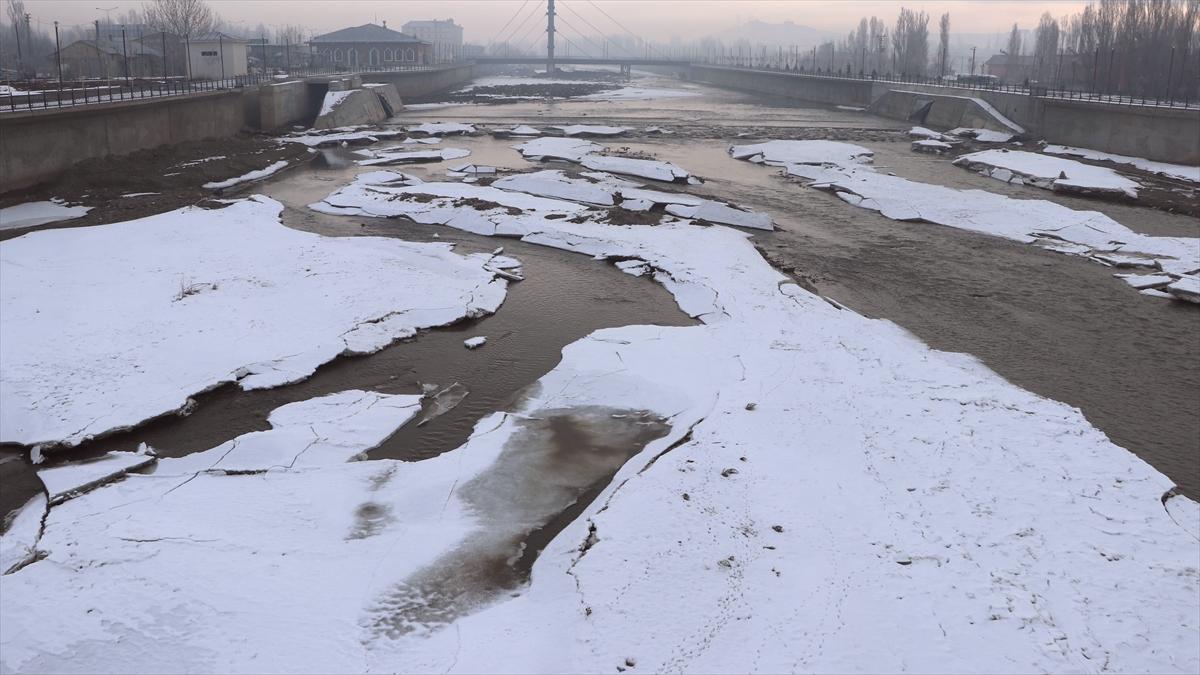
(412, 84)
(38, 145)
(941, 111)
(1162, 134)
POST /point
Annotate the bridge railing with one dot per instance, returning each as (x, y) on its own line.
(1077, 94)
(26, 95)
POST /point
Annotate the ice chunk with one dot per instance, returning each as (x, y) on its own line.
(1143, 281)
(519, 130)
(31, 214)
(591, 130)
(314, 140)
(571, 149)
(930, 145)
(437, 402)
(1185, 288)
(424, 140)
(723, 214)
(643, 168)
(558, 185)
(21, 531)
(387, 157)
(981, 135)
(1177, 171)
(1053, 173)
(472, 343)
(441, 128)
(258, 174)
(781, 153)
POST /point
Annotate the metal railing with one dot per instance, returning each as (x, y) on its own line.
(27, 95)
(1033, 90)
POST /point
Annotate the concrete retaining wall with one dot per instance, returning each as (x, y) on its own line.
(388, 97)
(941, 111)
(360, 106)
(1161, 134)
(828, 90)
(412, 84)
(38, 145)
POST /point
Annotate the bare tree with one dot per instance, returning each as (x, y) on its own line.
(1014, 44)
(180, 17)
(1045, 47)
(943, 43)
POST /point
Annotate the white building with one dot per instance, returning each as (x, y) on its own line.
(445, 36)
(216, 56)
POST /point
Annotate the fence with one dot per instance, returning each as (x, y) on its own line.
(39, 94)
(976, 84)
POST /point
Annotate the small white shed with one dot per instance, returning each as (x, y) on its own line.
(216, 56)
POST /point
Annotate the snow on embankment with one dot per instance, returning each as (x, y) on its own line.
(832, 495)
(107, 326)
(1032, 221)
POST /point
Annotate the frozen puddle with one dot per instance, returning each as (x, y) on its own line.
(87, 351)
(1050, 173)
(1032, 221)
(31, 214)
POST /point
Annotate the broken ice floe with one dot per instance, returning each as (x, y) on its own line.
(258, 174)
(782, 153)
(558, 185)
(340, 136)
(929, 134)
(1185, 288)
(441, 129)
(1051, 173)
(981, 135)
(21, 530)
(87, 351)
(1144, 281)
(75, 478)
(591, 130)
(932, 146)
(424, 140)
(131, 195)
(588, 154)
(400, 155)
(475, 342)
(570, 149)
(1176, 171)
(1045, 223)
(517, 131)
(31, 214)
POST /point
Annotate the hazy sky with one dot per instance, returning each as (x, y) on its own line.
(654, 19)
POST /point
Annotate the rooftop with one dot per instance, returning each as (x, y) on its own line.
(367, 32)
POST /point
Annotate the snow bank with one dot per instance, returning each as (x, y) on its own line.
(1051, 173)
(258, 174)
(108, 326)
(31, 214)
(1177, 171)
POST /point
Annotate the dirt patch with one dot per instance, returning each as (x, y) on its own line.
(174, 174)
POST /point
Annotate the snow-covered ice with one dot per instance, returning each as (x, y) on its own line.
(929, 134)
(21, 530)
(1143, 281)
(1051, 173)
(591, 130)
(932, 145)
(442, 128)
(556, 184)
(130, 195)
(1186, 288)
(519, 130)
(782, 153)
(257, 174)
(110, 325)
(642, 168)
(981, 135)
(1178, 171)
(424, 140)
(570, 149)
(475, 342)
(315, 140)
(69, 480)
(31, 214)
(831, 495)
(398, 155)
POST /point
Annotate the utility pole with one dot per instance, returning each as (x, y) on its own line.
(57, 57)
(550, 38)
(972, 60)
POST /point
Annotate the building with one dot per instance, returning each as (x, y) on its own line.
(369, 45)
(106, 58)
(216, 56)
(445, 36)
(1010, 70)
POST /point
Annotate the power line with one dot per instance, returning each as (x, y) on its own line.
(581, 35)
(521, 42)
(523, 23)
(590, 25)
(621, 26)
(510, 20)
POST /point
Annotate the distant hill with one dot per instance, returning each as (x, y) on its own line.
(786, 33)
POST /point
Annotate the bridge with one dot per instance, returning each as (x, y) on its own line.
(575, 61)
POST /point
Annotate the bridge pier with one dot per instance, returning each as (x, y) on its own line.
(550, 38)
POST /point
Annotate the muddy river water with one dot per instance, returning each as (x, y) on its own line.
(1056, 325)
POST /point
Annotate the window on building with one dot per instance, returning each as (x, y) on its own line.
(208, 53)
(410, 55)
(337, 55)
